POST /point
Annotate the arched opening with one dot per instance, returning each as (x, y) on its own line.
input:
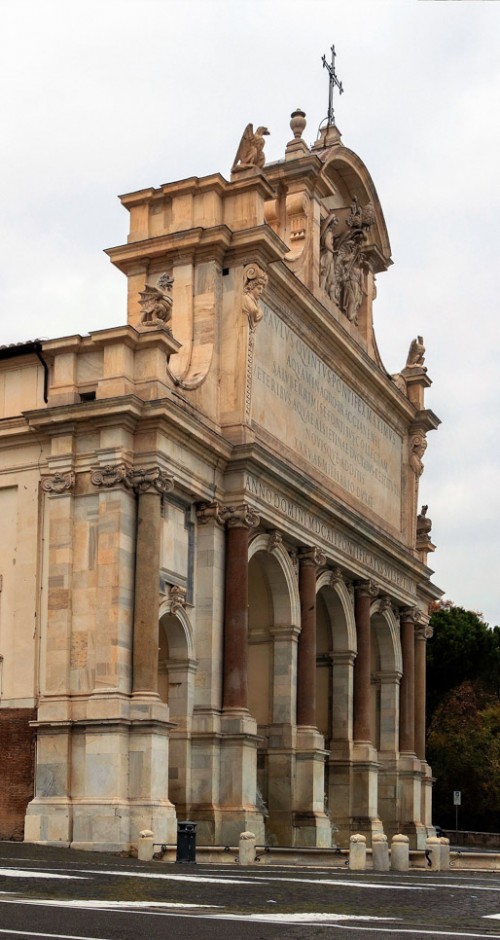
(386, 676)
(176, 668)
(273, 627)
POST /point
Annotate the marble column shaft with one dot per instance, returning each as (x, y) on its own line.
(235, 670)
(407, 688)
(145, 658)
(306, 653)
(364, 593)
(420, 689)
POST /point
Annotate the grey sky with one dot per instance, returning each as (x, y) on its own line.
(108, 96)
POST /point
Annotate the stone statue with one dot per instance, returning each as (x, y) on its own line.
(416, 355)
(424, 525)
(351, 265)
(254, 285)
(156, 302)
(250, 153)
(418, 447)
(327, 255)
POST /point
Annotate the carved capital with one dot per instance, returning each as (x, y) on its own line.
(58, 482)
(152, 479)
(412, 614)
(366, 589)
(109, 475)
(423, 630)
(312, 556)
(240, 517)
(177, 598)
(209, 512)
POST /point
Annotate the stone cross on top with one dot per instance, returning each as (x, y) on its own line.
(333, 80)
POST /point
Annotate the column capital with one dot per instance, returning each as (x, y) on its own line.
(111, 475)
(336, 576)
(312, 556)
(423, 630)
(58, 483)
(365, 588)
(210, 512)
(151, 478)
(411, 614)
(240, 517)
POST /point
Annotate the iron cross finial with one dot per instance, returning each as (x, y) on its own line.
(333, 80)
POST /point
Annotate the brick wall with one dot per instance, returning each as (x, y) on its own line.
(17, 762)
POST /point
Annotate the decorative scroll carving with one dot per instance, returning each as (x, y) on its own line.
(250, 153)
(418, 447)
(240, 517)
(109, 475)
(275, 540)
(138, 480)
(327, 255)
(255, 282)
(156, 302)
(58, 482)
(416, 354)
(294, 558)
(351, 264)
(366, 588)
(312, 556)
(153, 478)
(423, 630)
(209, 512)
(177, 598)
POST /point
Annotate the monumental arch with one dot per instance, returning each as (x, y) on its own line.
(219, 602)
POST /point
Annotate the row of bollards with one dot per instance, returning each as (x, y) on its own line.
(437, 853)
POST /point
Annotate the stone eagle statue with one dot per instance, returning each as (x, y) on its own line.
(250, 152)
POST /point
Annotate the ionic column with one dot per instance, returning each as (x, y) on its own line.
(408, 617)
(240, 520)
(365, 591)
(150, 485)
(309, 561)
(422, 633)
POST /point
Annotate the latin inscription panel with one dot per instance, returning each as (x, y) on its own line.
(304, 403)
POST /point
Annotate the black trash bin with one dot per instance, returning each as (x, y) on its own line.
(186, 841)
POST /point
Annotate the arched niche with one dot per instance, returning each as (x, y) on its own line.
(336, 652)
(386, 675)
(273, 611)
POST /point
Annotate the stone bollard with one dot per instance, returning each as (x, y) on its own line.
(357, 852)
(445, 853)
(247, 848)
(400, 853)
(380, 852)
(433, 853)
(145, 848)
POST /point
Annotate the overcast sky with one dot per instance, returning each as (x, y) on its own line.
(108, 96)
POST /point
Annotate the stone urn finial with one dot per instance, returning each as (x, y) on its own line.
(298, 123)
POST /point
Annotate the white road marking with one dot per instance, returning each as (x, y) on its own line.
(492, 916)
(24, 873)
(107, 905)
(310, 918)
(414, 932)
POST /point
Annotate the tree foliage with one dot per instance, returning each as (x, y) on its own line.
(464, 717)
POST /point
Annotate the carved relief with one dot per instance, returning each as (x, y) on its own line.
(343, 264)
(385, 604)
(156, 302)
(336, 577)
(413, 614)
(58, 482)
(366, 588)
(327, 255)
(275, 541)
(250, 153)
(418, 446)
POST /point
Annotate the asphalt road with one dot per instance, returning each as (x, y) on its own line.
(67, 895)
